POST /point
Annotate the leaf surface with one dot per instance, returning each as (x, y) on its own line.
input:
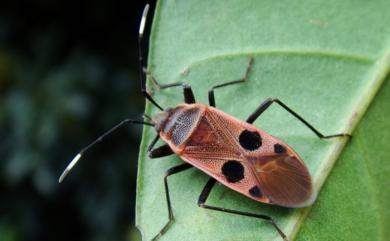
(353, 204)
(326, 60)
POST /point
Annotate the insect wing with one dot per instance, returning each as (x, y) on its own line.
(214, 148)
(284, 179)
(248, 160)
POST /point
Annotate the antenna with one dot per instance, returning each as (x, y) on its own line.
(142, 68)
(100, 139)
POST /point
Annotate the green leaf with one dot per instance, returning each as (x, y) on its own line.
(325, 59)
(354, 202)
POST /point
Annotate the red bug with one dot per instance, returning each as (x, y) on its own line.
(232, 152)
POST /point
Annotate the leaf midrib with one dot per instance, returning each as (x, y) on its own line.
(288, 52)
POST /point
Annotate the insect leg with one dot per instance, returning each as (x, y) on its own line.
(143, 73)
(169, 172)
(189, 97)
(267, 104)
(151, 145)
(141, 63)
(157, 84)
(160, 151)
(243, 79)
(205, 194)
(188, 94)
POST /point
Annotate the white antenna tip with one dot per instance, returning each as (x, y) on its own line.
(143, 20)
(69, 167)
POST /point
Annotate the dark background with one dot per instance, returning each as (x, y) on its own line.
(68, 72)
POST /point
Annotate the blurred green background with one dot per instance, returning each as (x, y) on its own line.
(68, 72)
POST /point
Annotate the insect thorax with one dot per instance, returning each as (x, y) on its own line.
(176, 124)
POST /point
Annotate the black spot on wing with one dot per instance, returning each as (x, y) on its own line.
(233, 171)
(255, 191)
(279, 149)
(250, 140)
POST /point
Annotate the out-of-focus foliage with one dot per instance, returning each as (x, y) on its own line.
(68, 72)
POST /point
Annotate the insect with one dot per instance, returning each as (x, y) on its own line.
(232, 152)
